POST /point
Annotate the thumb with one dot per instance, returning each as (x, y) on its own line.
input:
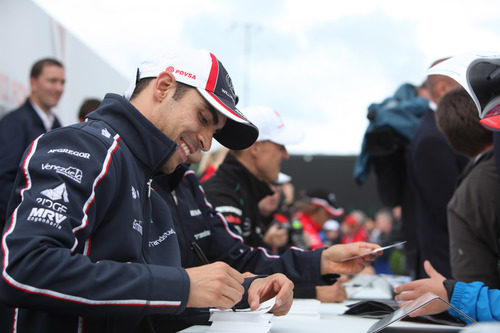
(431, 272)
(253, 301)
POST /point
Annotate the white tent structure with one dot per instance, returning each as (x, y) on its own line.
(27, 34)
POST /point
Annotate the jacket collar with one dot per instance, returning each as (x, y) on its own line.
(171, 181)
(148, 144)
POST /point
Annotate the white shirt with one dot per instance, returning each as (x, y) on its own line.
(47, 119)
(433, 106)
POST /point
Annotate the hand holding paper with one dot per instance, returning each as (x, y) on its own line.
(214, 285)
(276, 285)
(333, 259)
(380, 249)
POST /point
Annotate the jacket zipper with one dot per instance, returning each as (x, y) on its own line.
(146, 218)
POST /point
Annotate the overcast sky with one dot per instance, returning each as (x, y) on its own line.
(319, 63)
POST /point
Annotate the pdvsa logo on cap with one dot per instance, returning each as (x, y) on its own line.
(186, 74)
(171, 69)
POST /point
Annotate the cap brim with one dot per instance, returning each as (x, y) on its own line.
(238, 132)
(492, 123)
(337, 212)
(236, 135)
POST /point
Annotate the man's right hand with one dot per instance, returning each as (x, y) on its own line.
(334, 293)
(214, 285)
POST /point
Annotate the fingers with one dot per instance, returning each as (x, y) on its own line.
(265, 288)
(214, 285)
(248, 275)
(431, 272)
(253, 300)
(408, 286)
(342, 293)
(234, 274)
(274, 228)
(368, 246)
(407, 296)
(284, 298)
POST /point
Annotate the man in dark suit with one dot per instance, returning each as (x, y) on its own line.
(433, 170)
(22, 125)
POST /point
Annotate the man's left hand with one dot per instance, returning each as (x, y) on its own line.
(266, 288)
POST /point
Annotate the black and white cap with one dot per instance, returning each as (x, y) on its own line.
(203, 71)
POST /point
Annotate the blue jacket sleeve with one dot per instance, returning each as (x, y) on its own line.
(476, 300)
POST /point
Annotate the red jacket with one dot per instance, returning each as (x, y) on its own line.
(311, 229)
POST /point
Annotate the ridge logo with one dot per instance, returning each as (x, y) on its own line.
(57, 193)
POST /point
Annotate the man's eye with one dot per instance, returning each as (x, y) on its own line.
(203, 120)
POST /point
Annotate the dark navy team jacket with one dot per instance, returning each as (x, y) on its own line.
(85, 250)
(199, 225)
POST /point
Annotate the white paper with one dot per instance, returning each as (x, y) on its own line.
(263, 307)
(375, 251)
(245, 320)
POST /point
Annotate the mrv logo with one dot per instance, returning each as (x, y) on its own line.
(45, 215)
(70, 172)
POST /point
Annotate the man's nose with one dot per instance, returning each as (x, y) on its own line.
(205, 140)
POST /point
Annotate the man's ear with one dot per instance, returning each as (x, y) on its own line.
(33, 83)
(165, 83)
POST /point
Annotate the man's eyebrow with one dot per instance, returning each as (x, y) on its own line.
(212, 111)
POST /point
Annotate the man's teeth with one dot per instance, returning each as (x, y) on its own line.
(185, 148)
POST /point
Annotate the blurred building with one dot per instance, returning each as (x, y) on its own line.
(28, 34)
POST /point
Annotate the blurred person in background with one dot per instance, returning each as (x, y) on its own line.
(88, 105)
(433, 171)
(276, 213)
(21, 126)
(210, 163)
(313, 210)
(243, 178)
(383, 235)
(331, 232)
(474, 210)
(353, 228)
(386, 148)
